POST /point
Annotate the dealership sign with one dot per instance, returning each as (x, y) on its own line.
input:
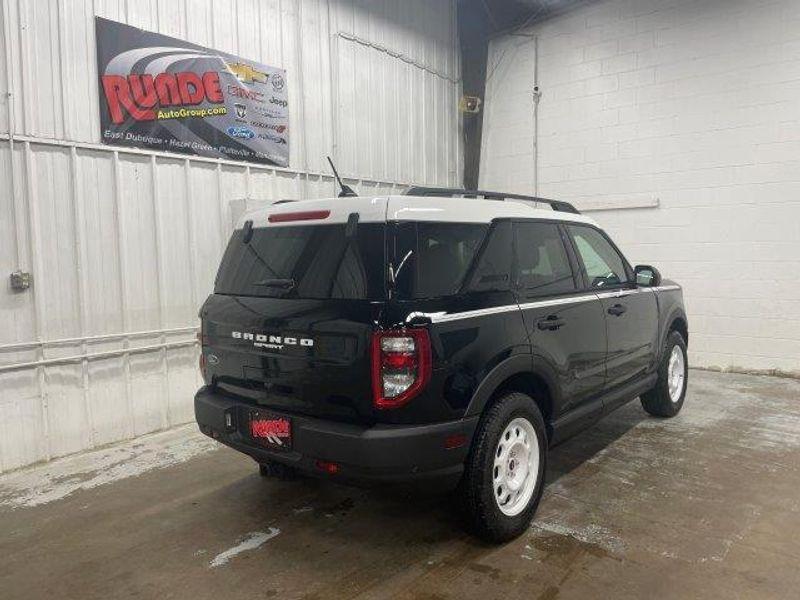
(163, 93)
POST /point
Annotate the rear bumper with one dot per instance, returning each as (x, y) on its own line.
(381, 453)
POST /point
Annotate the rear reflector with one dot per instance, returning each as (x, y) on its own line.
(309, 215)
(401, 366)
(331, 468)
(457, 440)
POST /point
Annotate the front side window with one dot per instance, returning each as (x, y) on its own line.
(604, 266)
(432, 259)
(542, 264)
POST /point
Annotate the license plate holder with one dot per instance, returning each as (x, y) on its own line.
(270, 430)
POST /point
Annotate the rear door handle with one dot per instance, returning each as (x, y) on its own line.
(617, 310)
(550, 323)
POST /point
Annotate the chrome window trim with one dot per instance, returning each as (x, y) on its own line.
(558, 301)
(443, 317)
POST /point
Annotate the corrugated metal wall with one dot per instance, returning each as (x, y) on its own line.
(123, 244)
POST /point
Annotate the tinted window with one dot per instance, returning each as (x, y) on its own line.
(432, 259)
(542, 264)
(306, 261)
(493, 268)
(604, 265)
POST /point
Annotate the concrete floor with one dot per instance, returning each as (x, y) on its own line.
(703, 505)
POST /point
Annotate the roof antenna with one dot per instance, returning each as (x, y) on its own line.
(346, 190)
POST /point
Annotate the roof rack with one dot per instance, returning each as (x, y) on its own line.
(453, 192)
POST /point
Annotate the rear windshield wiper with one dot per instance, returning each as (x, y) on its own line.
(278, 283)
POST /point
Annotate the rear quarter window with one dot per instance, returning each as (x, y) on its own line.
(432, 259)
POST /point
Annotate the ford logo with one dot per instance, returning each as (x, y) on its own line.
(241, 132)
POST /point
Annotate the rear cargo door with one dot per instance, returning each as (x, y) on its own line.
(288, 326)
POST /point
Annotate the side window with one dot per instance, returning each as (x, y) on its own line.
(431, 259)
(542, 263)
(493, 270)
(604, 265)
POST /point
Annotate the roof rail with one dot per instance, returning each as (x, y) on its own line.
(453, 192)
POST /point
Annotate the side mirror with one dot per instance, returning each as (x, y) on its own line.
(647, 276)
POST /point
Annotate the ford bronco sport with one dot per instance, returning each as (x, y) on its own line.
(443, 336)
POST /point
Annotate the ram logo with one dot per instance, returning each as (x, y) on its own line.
(277, 342)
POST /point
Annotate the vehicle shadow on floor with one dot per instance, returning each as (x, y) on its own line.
(366, 515)
(566, 457)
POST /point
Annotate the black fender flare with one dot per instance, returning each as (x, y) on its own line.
(676, 313)
(513, 365)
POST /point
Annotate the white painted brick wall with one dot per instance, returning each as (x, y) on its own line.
(696, 104)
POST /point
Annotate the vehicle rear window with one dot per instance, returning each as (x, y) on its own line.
(305, 261)
(431, 259)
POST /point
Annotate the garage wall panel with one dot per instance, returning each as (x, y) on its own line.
(99, 242)
(109, 401)
(688, 105)
(172, 231)
(123, 244)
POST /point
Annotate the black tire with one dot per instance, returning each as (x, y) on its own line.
(658, 401)
(477, 491)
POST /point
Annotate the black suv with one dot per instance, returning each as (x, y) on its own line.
(444, 336)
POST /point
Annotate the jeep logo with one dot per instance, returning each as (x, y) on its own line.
(271, 341)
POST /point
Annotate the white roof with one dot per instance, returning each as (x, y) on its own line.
(410, 208)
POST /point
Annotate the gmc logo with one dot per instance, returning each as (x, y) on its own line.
(240, 92)
(272, 340)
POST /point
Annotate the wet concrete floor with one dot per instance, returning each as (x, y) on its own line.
(705, 505)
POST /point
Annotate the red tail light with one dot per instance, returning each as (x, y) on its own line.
(401, 366)
(308, 215)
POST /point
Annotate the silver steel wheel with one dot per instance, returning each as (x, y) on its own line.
(516, 467)
(676, 373)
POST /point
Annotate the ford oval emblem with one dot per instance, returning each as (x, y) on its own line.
(242, 132)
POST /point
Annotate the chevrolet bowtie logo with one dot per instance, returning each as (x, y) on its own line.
(246, 73)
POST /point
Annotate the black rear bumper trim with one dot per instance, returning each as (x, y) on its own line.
(381, 453)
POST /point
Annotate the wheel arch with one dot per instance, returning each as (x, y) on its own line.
(679, 324)
(520, 374)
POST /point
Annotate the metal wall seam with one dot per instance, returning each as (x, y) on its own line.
(11, 129)
(83, 306)
(123, 291)
(36, 260)
(220, 208)
(191, 232)
(160, 285)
